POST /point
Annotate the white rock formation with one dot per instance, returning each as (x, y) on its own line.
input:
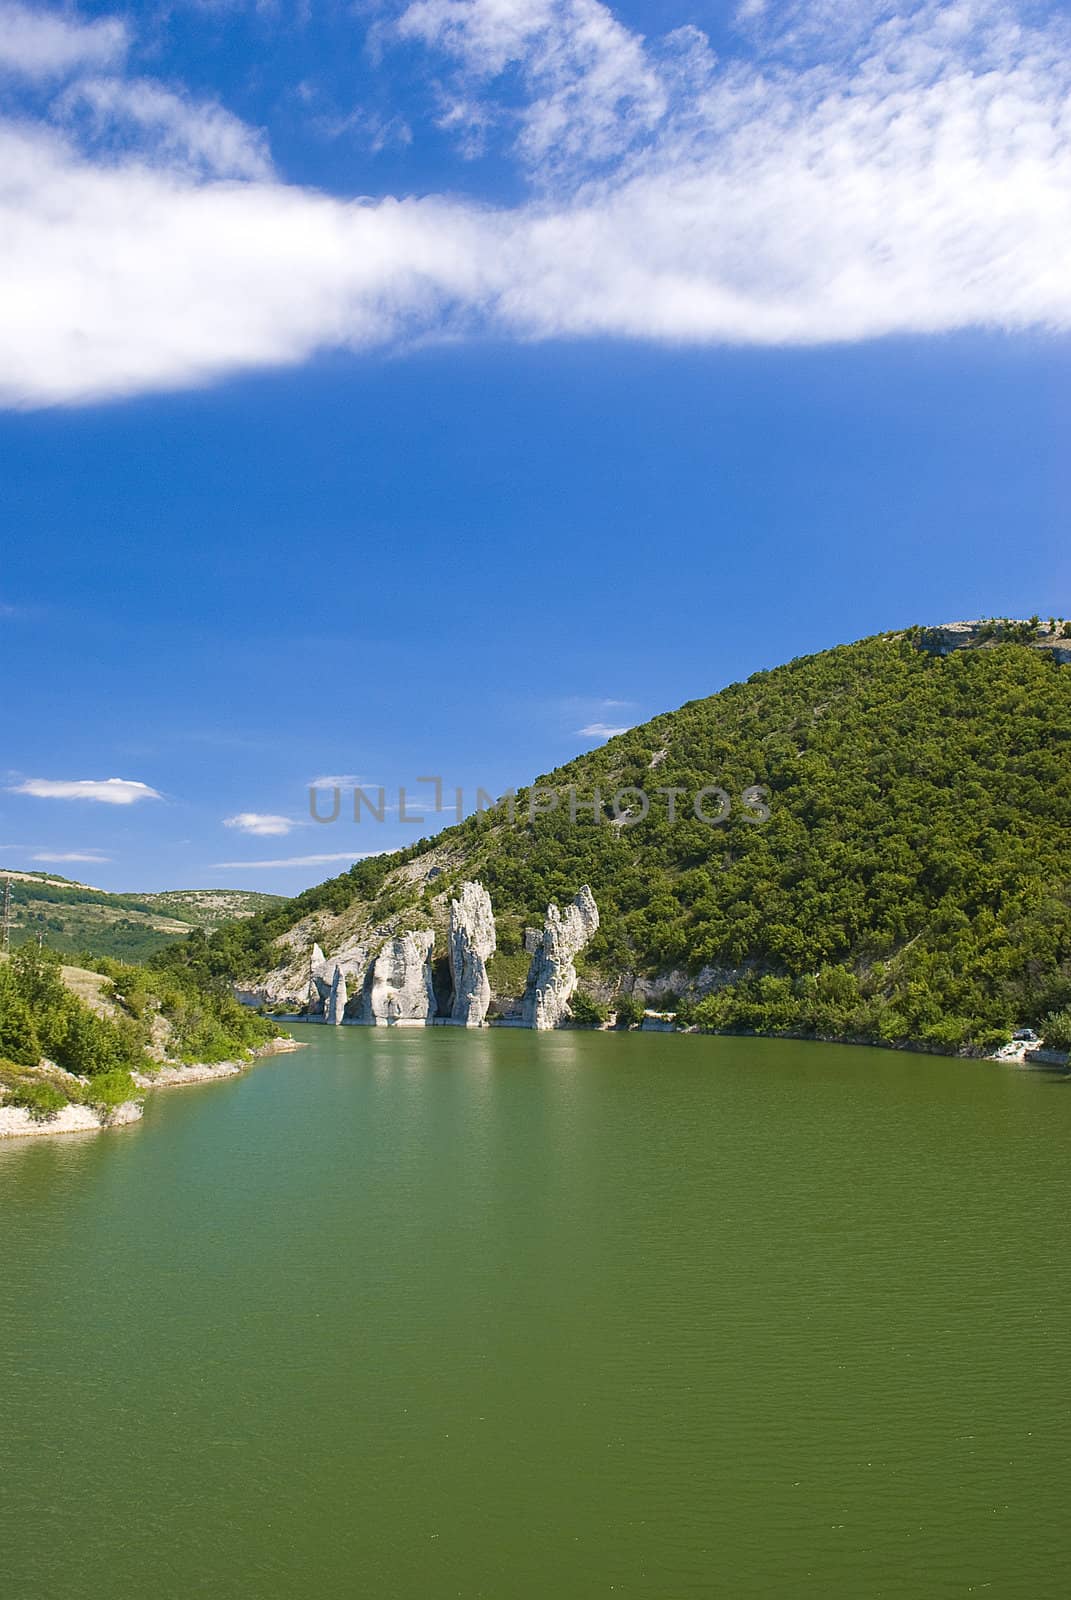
(472, 944)
(552, 977)
(336, 1000)
(400, 987)
(320, 973)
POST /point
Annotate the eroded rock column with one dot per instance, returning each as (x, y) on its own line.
(472, 944)
(552, 976)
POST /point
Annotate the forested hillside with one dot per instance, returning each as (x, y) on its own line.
(912, 880)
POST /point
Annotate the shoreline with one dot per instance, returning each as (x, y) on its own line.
(169, 1075)
(17, 1123)
(1027, 1056)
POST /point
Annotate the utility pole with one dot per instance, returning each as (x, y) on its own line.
(5, 935)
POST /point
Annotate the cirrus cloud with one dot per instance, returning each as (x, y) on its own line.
(295, 861)
(58, 856)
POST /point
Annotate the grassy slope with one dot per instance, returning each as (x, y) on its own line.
(913, 881)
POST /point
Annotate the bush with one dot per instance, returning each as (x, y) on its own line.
(43, 1100)
(108, 1091)
(586, 1011)
(93, 1045)
(629, 1011)
(1056, 1030)
(685, 1013)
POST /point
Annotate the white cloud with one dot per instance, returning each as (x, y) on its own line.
(599, 730)
(199, 136)
(295, 861)
(39, 44)
(57, 856)
(122, 279)
(259, 822)
(906, 174)
(109, 791)
(346, 780)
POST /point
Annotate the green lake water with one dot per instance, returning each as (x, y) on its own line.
(429, 1314)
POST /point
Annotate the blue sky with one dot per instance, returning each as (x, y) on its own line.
(397, 390)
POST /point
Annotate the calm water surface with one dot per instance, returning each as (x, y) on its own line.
(431, 1314)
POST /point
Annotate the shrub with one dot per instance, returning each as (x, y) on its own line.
(685, 1013)
(629, 1011)
(91, 1045)
(43, 1100)
(108, 1091)
(586, 1011)
(1056, 1029)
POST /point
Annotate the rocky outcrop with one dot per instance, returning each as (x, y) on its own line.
(17, 1123)
(321, 972)
(947, 637)
(303, 982)
(472, 944)
(552, 977)
(399, 988)
(336, 999)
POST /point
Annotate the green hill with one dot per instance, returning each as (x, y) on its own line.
(912, 881)
(75, 919)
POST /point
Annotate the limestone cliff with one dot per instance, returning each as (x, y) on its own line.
(552, 976)
(399, 988)
(336, 1000)
(471, 946)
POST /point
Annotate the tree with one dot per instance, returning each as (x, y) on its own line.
(1056, 1029)
(19, 1040)
(586, 1011)
(629, 1011)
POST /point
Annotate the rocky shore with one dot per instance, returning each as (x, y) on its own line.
(171, 1075)
(18, 1123)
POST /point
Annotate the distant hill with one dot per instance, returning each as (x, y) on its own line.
(76, 919)
(912, 881)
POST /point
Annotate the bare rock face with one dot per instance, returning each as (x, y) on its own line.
(946, 637)
(400, 987)
(320, 972)
(349, 963)
(472, 944)
(336, 999)
(303, 981)
(552, 976)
